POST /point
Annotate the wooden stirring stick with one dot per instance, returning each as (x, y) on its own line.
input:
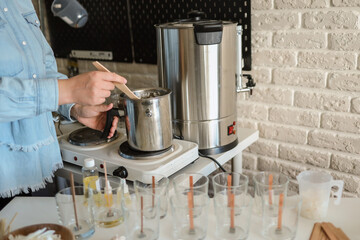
(120, 86)
(153, 191)
(229, 188)
(190, 196)
(191, 216)
(231, 203)
(191, 182)
(232, 213)
(73, 199)
(316, 232)
(108, 192)
(281, 204)
(341, 235)
(329, 230)
(270, 188)
(106, 186)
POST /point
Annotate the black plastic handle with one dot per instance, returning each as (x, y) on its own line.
(196, 15)
(114, 112)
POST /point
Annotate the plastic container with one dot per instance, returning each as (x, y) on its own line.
(71, 12)
(315, 188)
(90, 176)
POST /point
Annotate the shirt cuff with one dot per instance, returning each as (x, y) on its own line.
(65, 109)
(48, 96)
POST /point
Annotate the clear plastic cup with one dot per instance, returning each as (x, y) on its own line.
(240, 215)
(142, 216)
(268, 187)
(160, 189)
(232, 205)
(84, 212)
(280, 221)
(182, 182)
(107, 202)
(238, 185)
(190, 219)
(315, 188)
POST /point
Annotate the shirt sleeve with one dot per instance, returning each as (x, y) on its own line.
(21, 98)
(52, 71)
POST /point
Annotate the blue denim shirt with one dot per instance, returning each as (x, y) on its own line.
(29, 151)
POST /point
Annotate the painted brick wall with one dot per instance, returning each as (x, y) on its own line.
(306, 105)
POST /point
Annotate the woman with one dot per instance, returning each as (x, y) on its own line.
(30, 90)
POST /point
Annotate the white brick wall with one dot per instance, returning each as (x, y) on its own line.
(327, 60)
(344, 81)
(355, 105)
(290, 4)
(306, 62)
(296, 77)
(336, 19)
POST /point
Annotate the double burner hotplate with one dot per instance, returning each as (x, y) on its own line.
(117, 154)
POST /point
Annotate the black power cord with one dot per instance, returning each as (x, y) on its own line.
(214, 160)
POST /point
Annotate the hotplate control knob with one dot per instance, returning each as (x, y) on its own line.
(120, 172)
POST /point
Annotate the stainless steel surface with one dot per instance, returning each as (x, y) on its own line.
(202, 79)
(148, 120)
(238, 59)
(210, 133)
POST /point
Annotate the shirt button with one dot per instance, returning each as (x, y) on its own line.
(6, 9)
(36, 21)
(24, 43)
(34, 75)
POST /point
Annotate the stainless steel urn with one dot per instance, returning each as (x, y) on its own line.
(197, 60)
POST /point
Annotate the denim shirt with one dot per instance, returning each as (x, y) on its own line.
(29, 151)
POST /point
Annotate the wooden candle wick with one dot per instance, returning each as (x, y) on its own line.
(191, 216)
(191, 182)
(153, 191)
(106, 194)
(229, 180)
(281, 204)
(73, 199)
(232, 213)
(270, 188)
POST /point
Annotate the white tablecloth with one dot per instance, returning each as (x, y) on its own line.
(33, 210)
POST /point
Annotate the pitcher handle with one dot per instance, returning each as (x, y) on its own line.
(338, 193)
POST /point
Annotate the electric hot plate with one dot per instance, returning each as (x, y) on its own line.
(89, 137)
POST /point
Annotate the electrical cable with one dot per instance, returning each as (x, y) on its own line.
(214, 160)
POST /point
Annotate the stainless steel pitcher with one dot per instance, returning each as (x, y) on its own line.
(148, 119)
(198, 61)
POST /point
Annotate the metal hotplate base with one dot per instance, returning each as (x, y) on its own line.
(184, 153)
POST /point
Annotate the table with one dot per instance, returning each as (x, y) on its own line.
(33, 210)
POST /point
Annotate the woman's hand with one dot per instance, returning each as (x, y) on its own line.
(94, 116)
(88, 88)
